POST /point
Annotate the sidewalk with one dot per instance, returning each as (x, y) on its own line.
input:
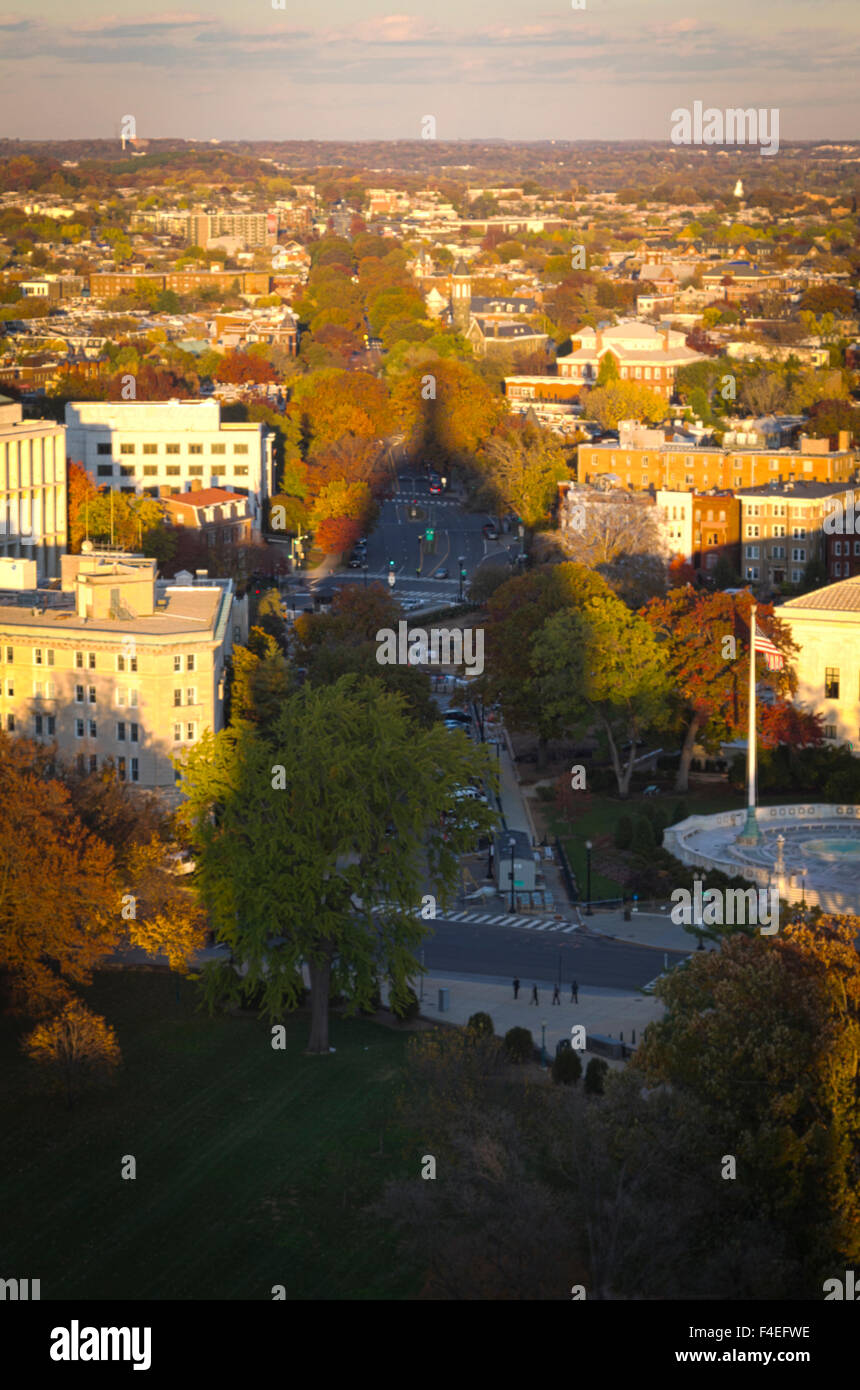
(606, 1011)
(644, 929)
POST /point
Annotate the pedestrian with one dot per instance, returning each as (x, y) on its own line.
(574, 992)
(556, 999)
(534, 998)
(516, 988)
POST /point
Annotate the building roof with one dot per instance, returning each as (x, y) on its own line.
(205, 497)
(843, 597)
(800, 491)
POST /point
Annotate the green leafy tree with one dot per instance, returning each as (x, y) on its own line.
(290, 839)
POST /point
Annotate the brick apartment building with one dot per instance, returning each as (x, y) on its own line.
(107, 284)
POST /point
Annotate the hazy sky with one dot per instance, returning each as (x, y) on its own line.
(350, 69)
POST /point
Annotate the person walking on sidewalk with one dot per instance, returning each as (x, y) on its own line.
(574, 992)
(534, 998)
(556, 999)
(516, 988)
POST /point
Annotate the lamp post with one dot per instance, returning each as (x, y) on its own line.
(512, 848)
(543, 1044)
(462, 567)
(588, 909)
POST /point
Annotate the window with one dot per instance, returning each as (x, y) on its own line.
(10, 689)
(171, 448)
(240, 448)
(829, 730)
(105, 470)
(191, 696)
(121, 696)
(37, 656)
(189, 662)
(195, 448)
(177, 733)
(91, 694)
(132, 698)
(80, 764)
(121, 663)
(217, 448)
(831, 683)
(93, 729)
(10, 723)
(177, 663)
(79, 694)
(798, 554)
(796, 576)
(134, 733)
(126, 448)
(126, 472)
(752, 571)
(135, 773)
(856, 552)
(837, 569)
(120, 769)
(38, 723)
(778, 552)
(195, 470)
(52, 725)
(751, 530)
(752, 552)
(240, 469)
(189, 732)
(79, 661)
(103, 448)
(754, 509)
(150, 448)
(172, 470)
(79, 728)
(778, 531)
(150, 470)
(837, 547)
(10, 651)
(177, 698)
(799, 533)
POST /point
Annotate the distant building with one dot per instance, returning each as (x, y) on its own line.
(782, 528)
(32, 489)
(642, 353)
(161, 447)
(219, 516)
(108, 284)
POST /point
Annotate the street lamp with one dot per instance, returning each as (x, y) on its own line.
(512, 847)
(543, 1044)
(462, 564)
(588, 909)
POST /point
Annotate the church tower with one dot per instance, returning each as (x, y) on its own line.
(461, 296)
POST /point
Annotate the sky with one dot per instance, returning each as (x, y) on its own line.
(357, 70)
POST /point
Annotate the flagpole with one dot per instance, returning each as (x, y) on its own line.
(751, 834)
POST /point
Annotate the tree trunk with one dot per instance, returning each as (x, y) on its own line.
(682, 781)
(320, 973)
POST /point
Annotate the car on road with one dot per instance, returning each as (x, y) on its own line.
(490, 532)
(460, 715)
(435, 487)
(356, 561)
(441, 574)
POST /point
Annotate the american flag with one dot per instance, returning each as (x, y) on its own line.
(773, 657)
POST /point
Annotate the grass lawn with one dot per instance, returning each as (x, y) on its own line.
(253, 1165)
(603, 814)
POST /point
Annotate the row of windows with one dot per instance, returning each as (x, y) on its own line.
(148, 449)
(125, 732)
(171, 470)
(44, 656)
(837, 548)
(752, 574)
(777, 552)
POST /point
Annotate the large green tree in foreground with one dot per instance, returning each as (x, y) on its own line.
(344, 805)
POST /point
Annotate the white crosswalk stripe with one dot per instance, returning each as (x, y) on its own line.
(569, 929)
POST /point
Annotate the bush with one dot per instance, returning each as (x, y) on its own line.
(659, 819)
(623, 832)
(644, 839)
(408, 1010)
(567, 1068)
(481, 1025)
(681, 812)
(595, 1076)
(375, 1003)
(519, 1045)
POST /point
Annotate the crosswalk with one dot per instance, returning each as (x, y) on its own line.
(508, 919)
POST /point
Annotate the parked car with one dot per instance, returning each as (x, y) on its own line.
(460, 715)
(490, 532)
(441, 574)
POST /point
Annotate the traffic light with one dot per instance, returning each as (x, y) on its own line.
(429, 534)
(391, 564)
(462, 571)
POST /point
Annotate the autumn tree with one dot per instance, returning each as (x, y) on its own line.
(623, 400)
(75, 1048)
(337, 534)
(520, 467)
(705, 641)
